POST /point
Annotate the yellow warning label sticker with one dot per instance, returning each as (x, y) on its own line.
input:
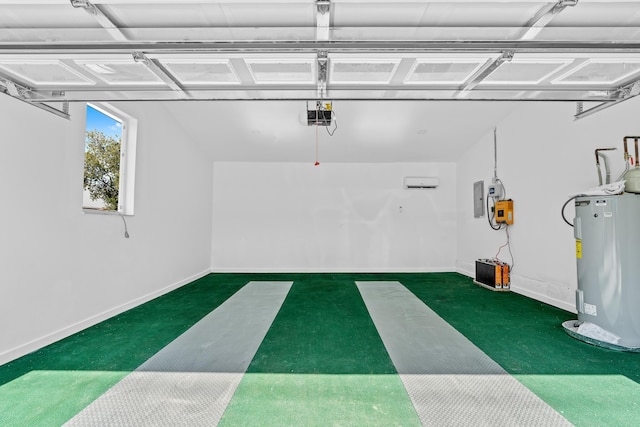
(578, 248)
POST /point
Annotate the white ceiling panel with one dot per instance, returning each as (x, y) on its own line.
(48, 16)
(362, 70)
(443, 70)
(601, 71)
(451, 14)
(166, 15)
(43, 72)
(525, 71)
(276, 14)
(190, 15)
(283, 70)
(604, 14)
(120, 72)
(396, 14)
(202, 71)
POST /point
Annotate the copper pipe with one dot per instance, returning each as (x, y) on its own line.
(626, 152)
(598, 150)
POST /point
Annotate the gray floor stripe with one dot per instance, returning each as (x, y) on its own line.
(191, 381)
(450, 381)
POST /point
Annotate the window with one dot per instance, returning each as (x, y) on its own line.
(109, 160)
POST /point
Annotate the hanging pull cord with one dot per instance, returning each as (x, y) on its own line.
(317, 161)
(126, 232)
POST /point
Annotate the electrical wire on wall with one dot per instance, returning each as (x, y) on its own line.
(508, 246)
(333, 115)
(498, 192)
(564, 206)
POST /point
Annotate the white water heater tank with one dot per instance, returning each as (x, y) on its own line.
(607, 233)
(632, 178)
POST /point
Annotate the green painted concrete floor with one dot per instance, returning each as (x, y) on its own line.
(323, 346)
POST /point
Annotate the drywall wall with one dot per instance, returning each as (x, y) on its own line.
(62, 270)
(332, 217)
(544, 156)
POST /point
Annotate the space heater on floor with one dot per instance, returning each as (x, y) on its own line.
(492, 274)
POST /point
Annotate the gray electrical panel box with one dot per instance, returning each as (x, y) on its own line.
(607, 233)
(478, 199)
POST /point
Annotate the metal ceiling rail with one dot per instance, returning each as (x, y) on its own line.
(306, 93)
(622, 94)
(158, 71)
(101, 17)
(544, 17)
(323, 19)
(425, 46)
(483, 72)
(25, 94)
(269, 2)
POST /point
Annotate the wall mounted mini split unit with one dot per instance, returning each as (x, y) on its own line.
(420, 182)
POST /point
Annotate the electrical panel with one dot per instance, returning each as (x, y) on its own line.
(495, 191)
(478, 199)
(504, 211)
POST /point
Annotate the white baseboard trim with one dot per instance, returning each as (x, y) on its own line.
(530, 293)
(38, 343)
(333, 270)
(527, 287)
(465, 272)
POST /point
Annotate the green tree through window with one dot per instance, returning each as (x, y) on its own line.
(102, 168)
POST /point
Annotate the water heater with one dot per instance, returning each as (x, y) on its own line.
(607, 234)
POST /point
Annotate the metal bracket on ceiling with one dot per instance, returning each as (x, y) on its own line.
(622, 94)
(15, 90)
(323, 19)
(156, 69)
(102, 18)
(544, 16)
(85, 4)
(25, 94)
(323, 62)
(489, 67)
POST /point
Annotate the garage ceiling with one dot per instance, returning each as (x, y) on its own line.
(60, 50)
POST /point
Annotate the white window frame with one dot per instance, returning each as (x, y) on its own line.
(126, 186)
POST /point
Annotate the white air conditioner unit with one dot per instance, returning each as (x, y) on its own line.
(421, 182)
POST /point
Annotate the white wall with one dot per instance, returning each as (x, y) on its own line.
(62, 270)
(544, 156)
(333, 217)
